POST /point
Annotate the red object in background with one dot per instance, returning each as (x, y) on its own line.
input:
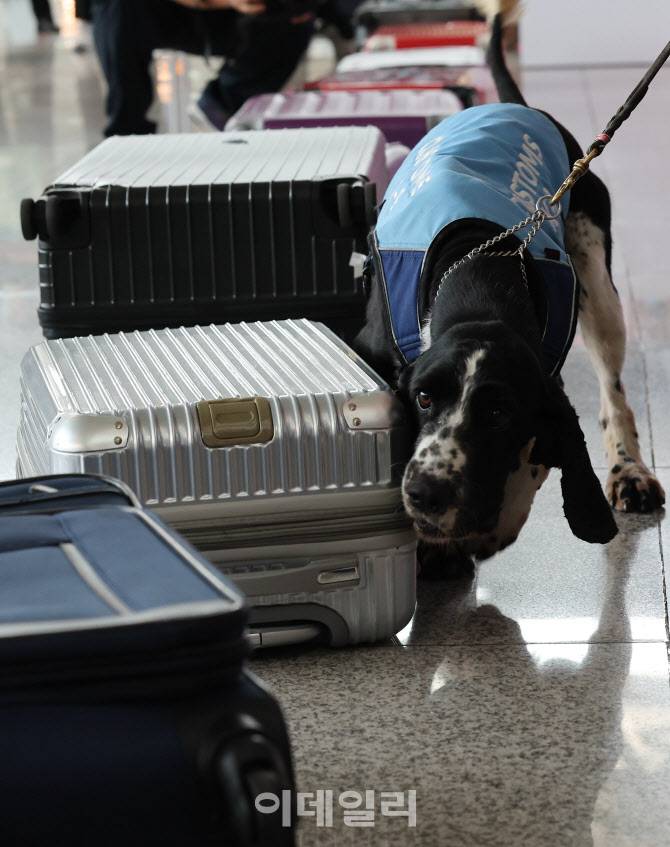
(474, 85)
(437, 34)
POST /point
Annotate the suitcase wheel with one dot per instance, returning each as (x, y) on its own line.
(344, 206)
(60, 219)
(357, 204)
(246, 768)
(370, 203)
(63, 212)
(28, 222)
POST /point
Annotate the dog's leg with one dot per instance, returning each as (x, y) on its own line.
(631, 486)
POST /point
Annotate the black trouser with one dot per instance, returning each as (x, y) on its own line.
(263, 53)
(42, 10)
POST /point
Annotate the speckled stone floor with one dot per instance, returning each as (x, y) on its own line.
(529, 707)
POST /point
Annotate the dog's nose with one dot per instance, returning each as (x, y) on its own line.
(430, 496)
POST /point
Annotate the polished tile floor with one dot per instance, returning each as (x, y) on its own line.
(529, 707)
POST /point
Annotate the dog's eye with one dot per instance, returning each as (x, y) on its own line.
(498, 418)
(424, 400)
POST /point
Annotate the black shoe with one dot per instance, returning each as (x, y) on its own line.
(209, 111)
(143, 127)
(46, 25)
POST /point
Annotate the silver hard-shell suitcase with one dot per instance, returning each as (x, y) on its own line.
(271, 446)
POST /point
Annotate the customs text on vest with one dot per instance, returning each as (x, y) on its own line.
(491, 162)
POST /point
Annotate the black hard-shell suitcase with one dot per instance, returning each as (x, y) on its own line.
(126, 715)
(161, 231)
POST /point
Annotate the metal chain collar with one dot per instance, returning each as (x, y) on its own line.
(541, 214)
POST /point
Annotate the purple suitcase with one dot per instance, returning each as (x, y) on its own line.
(403, 116)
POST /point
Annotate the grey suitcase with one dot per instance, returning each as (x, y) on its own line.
(171, 230)
(414, 57)
(375, 13)
(272, 447)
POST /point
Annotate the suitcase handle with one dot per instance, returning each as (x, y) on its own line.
(227, 423)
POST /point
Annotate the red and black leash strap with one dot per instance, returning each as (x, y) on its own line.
(624, 112)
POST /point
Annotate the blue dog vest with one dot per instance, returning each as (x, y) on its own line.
(491, 162)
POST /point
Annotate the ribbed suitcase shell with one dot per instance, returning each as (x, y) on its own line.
(152, 381)
(435, 34)
(446, 57)
(473, 85)
(403, 116)
(171, 230)
(325, 487)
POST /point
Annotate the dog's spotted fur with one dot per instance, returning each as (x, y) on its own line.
(439, 452)
(438, 455)
(630, 486)
(497, 423)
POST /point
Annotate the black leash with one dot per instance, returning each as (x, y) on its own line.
(543, 207)
(603, 139)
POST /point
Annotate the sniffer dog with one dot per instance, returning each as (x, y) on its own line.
(476, 347)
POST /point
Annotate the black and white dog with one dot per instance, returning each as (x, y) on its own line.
(490, 409)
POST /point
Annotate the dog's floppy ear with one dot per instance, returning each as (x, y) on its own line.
(561, 444)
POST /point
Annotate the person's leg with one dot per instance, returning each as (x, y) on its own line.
(42, 9)
(267, 52)
(124, 37)
(45, 21)
(125, 33)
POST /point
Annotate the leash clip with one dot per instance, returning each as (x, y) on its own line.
(545, 204)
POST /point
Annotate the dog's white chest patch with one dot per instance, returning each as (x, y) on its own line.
(439, 454)
(425, 335)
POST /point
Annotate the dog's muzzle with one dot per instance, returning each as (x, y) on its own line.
(429, 496)
(431, 502)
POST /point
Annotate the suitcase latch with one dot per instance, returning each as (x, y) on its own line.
(226, 423)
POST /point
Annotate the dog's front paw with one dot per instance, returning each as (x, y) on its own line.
(632, 487)
(435, 563)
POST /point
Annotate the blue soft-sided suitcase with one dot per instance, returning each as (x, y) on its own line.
(126, 716)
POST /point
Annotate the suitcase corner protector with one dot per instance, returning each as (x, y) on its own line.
(371, 411)
(87, 433)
